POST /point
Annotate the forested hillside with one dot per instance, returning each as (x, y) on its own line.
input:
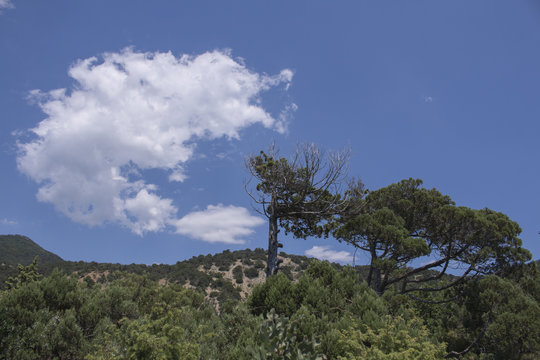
(226, 275)
(220, 307)
(17, 249)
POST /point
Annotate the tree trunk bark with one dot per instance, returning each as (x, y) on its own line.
(273, 244)
(370, 275)
(375, 278)
(377, 285)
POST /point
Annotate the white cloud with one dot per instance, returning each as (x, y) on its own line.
(325, 253)
(133, 111)
(6, 4)
(5, 221)
(227, 224)
(428, 99)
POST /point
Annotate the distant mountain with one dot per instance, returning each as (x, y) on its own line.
(227, 275)
(18, 249)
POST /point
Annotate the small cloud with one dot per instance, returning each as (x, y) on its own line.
(428, 99)
(6, 4)
(219, 223)
(325, 253)
(5, 221)
(284, 117)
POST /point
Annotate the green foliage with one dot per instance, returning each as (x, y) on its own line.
(296, 193)
(238, 274)
(259, 265)
(240, 330)
(299, 188)
(508, 317)
(276, 293)
(38, 319)
(286, 270)
(146, 338)
(133, 317)
(322, 289)
(26, 274)
(278, 339)
(403, 222)
(326, 313)
(348, 320)
(251, 272)
(18, 249)
(317, 303)
(397, 339)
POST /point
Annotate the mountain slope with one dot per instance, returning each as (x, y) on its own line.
(222, 276)
(18, 249)
(227, 275)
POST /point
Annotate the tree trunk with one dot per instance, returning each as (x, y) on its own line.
(370, 275)
(378, 285)
(273, 244)
(375, 278)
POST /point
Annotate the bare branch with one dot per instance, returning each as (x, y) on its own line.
(449, 285)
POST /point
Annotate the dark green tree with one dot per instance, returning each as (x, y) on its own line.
(297, 193)
(499, 320)
(403, 222)
(238, 274)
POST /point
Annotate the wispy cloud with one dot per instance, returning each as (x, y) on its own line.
(6, 4)
(326, 253)
(428, 99)
(132, 111)
(5, 221)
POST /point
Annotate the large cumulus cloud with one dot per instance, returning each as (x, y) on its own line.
(132, 111)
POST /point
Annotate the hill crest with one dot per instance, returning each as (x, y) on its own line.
(226, 275)
(19, 249)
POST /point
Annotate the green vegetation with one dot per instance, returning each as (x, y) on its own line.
(251, 272)
(238, 274)
(197, 271)
(404, 222)
(26, 274)
(295, 193)
(328, 313)
(17, 249)
(396, 226)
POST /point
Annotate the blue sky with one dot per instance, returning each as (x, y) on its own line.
(140, 159)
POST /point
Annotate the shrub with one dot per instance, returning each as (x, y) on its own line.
(251, 272)
(238, 274)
